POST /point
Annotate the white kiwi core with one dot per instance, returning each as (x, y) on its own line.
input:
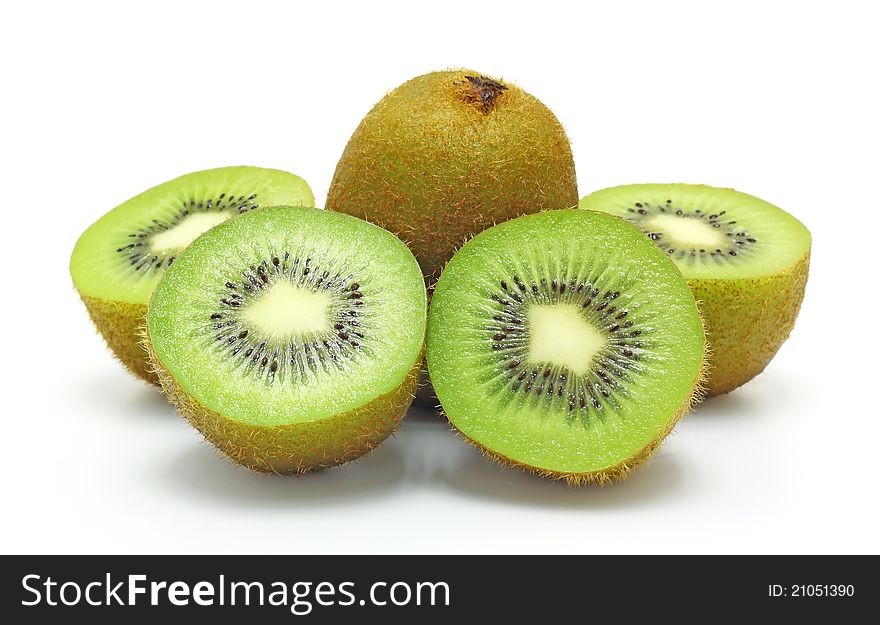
(187, 231)
(286, 311)
(559, 335)
(687, 232)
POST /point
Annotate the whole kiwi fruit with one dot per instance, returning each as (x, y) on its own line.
(448, 154)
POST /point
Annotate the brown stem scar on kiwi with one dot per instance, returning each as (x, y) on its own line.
(484, 90)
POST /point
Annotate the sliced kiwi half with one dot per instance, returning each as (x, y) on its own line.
(746, 261)
(566, 343)
(118, 261)
(291, 338)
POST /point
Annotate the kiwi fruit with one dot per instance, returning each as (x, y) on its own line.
(448, 154)
(291, 338)
(118, 261)
(746, 261)
(565, 343)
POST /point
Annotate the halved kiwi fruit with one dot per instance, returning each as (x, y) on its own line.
(291, 338)
(565, 343)
(746, 261)
(118, 261)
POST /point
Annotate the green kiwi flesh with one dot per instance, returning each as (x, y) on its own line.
(565, 343)
(290, 337)
(119, 260)
(746, 260)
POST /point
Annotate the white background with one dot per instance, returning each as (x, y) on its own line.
(101, 101)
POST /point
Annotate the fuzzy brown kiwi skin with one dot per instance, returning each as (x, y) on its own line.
(624, 468)
(414, 167)
(122, 325)
(299, 447)
(747, 322)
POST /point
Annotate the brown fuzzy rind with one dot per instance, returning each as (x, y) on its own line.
(298, 447)
(122, 324)
(748, 320)
(435, 166)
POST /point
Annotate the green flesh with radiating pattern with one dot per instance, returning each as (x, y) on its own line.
(746, 261)
(289, 315)
(564, 341)
(123, 255)
(710, 233)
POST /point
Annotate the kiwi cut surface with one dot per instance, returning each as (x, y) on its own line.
(118, 261)
(566, 343)
(746, 261)
(291, 338)
(448, 154)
